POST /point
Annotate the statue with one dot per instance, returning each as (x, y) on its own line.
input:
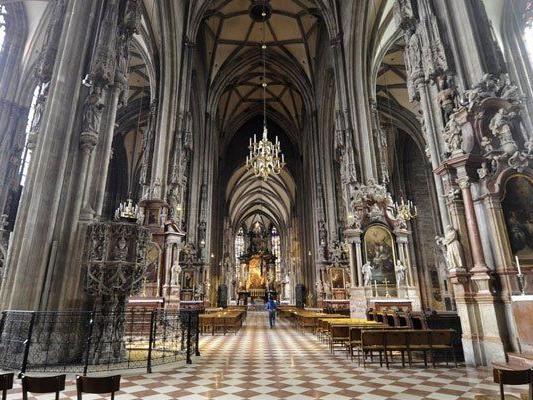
(175, 274)
(92, 111)
(287, 286)
(366, 270)
(199, 292)
(319, 287)
(453, 136)
(400, 273)
(454, 249)
(327, 290)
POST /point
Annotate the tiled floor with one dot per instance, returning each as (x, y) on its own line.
(263, 363)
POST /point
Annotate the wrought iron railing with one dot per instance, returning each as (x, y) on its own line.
(89, 341)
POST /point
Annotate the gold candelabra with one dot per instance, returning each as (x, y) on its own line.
(405, 210)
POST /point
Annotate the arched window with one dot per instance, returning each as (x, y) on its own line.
(528, 30)
(239, 244)
(276, 250)
(3, 13)
(26, 153)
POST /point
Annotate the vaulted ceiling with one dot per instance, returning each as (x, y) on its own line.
(251, 199)
(232, 34)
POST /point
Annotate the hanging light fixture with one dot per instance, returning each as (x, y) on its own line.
(265, 157)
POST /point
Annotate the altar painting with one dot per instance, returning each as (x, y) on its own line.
(255, 273)
(337, 278)
(518, 212)
(381, 253)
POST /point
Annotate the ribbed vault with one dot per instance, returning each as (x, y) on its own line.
(251, 199)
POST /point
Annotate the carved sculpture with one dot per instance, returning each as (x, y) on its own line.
(453, 136)
(400, 273)
(175, 274)
(454, 249)
(366, 270)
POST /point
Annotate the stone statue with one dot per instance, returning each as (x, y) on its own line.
(327, 290)
(175, 274)
(400, 273)
(92, 110)
(319, 287)
(454, 249)
(287, 286)
(453, 136)
(366, 270)
(199, 292)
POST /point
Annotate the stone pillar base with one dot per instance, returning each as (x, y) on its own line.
(358, 302)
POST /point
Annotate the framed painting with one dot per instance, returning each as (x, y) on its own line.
(336, 276)
(518, 213)
(380, 251)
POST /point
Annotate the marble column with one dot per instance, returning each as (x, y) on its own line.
(480, 267)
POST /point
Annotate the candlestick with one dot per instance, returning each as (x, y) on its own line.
(376, 287)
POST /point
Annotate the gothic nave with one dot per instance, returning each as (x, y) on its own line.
(168, 166)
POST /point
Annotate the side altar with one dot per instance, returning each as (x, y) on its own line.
(379, 254)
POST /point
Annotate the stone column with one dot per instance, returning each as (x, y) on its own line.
(35, 235)
(480, 267)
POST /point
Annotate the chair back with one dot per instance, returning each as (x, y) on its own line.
(373, 337)
(42, 384)
(355, 333)
(339, 331)
(6, 381)
(513, 377)
(97, 385)
(396, 338)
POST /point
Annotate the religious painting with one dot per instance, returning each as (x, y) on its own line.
(187, 280)
(380, 253)
(518, 212)
(152, 260)
(255, 274)
(337, 278)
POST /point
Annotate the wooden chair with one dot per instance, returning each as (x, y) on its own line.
(373, 340)
(509, 374)
(396, 340)
(419, 340)
(442, 340)
(6, 383)
(97, 385)
(354, 342)
(44, 384)
(339, 336)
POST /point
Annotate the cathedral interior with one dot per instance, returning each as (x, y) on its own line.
(370, 159)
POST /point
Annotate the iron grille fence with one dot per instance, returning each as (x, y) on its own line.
(89, 341)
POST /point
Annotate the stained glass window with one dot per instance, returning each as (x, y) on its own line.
(26, 155)
(2, 26)
(239, 244)
(276, 250)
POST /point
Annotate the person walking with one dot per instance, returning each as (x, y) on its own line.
(271, 307)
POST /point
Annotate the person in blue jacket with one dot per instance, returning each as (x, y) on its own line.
(271, 307)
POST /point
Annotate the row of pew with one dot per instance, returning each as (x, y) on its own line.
(222, 321)
(365, 338)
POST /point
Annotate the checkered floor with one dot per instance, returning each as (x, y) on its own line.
(280, 363)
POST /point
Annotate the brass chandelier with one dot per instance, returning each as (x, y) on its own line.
(265, 157)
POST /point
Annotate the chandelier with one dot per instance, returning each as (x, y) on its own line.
(405, 211)
(265, 157)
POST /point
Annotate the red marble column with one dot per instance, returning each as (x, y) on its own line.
(473, 230)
